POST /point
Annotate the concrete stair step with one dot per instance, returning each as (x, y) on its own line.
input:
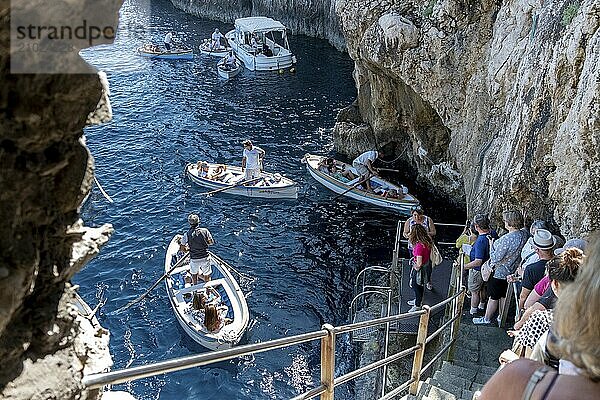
(457, 370)
(443, 389)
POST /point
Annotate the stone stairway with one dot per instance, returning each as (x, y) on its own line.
(475, 361)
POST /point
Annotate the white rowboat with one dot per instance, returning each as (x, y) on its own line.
(269, 186)
(340, 186)
(227, 71)
(180, 295)
(208, 49)
(154, 51)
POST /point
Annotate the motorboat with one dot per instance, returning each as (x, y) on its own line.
(261, 43)
(385, 194)
(230, 179)
(155, 51)
(222, 290)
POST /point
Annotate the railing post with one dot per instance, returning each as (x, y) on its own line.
(456, 324)
(418, 360)
(328, 362)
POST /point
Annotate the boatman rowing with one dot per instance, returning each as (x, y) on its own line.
(216, 38)
(168, 40)
(196, 240)
(252, 160)
(364, 166)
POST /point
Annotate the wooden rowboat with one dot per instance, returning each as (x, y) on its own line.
(343, 186)
(207, 48)
(180, 292)
(227, 71)
(268, 186)
(154, 51)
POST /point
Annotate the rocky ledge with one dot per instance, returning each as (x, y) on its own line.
(491, 104)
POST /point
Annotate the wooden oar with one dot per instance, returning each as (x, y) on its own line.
(106, 196)
(231, 187)
(177, 264)
(388, 169)
(353, 187)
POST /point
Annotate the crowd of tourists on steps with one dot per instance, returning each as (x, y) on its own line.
(556, 351)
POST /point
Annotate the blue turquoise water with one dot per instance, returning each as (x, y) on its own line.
(303, 254)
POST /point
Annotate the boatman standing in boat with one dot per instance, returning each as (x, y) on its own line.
(252, 159)
(168, 40)
(216, 38)
(364, 166)
(196, 240)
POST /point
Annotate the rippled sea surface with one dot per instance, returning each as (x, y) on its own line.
(303, 254)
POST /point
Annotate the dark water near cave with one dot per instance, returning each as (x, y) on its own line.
(303, 254)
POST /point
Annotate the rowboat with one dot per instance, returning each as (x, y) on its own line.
(382, 188)
(227, 71)
(207, 48)
(181, 292)
(270, 50)
(269, 185)
(155, 51)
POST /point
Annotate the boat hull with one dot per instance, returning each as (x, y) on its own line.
(401, 205)
(220, 52)
(229, 335)
(288, 189)
(174, 55)
(227, 73)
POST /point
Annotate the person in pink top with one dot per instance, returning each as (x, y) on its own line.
(421, 244)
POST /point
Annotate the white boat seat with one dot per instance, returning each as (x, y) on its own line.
(191, 289)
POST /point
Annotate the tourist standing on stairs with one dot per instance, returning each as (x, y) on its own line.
(419, 218)
(421, 244)
(252, 160)
(543, 245)
(196, 240)
(505, 256)
(480, 253)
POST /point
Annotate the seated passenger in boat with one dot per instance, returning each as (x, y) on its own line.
(202, 169)
(215, 317)
(393, 194)
(266, 50)
(219, 173)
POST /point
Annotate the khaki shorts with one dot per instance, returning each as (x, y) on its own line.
(201, 266)
(475, 281)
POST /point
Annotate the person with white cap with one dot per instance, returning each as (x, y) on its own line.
(196, 240)
(216, 38)
(252, 159)
(543, 244)
(528, 254)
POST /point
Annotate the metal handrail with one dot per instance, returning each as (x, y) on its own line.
(376, 268)
(446, 301)
(375, 322)
(437, 356)
(311, 393)
(373, 366)
(440, 329)
(177, 364)
(366, 292)
(399, 389)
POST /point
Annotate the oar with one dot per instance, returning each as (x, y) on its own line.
(102, 190)
(177, 264)
(231, 187)
(353, 187)
(388, 169)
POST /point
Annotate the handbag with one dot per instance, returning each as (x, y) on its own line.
(486, 271)
(436, 257)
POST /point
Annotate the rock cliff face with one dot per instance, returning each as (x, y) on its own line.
(491, 104)
(310, 17)
(45, 172)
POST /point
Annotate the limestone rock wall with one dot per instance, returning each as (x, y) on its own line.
(492, 104)
(45, 172)
(310, 17)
